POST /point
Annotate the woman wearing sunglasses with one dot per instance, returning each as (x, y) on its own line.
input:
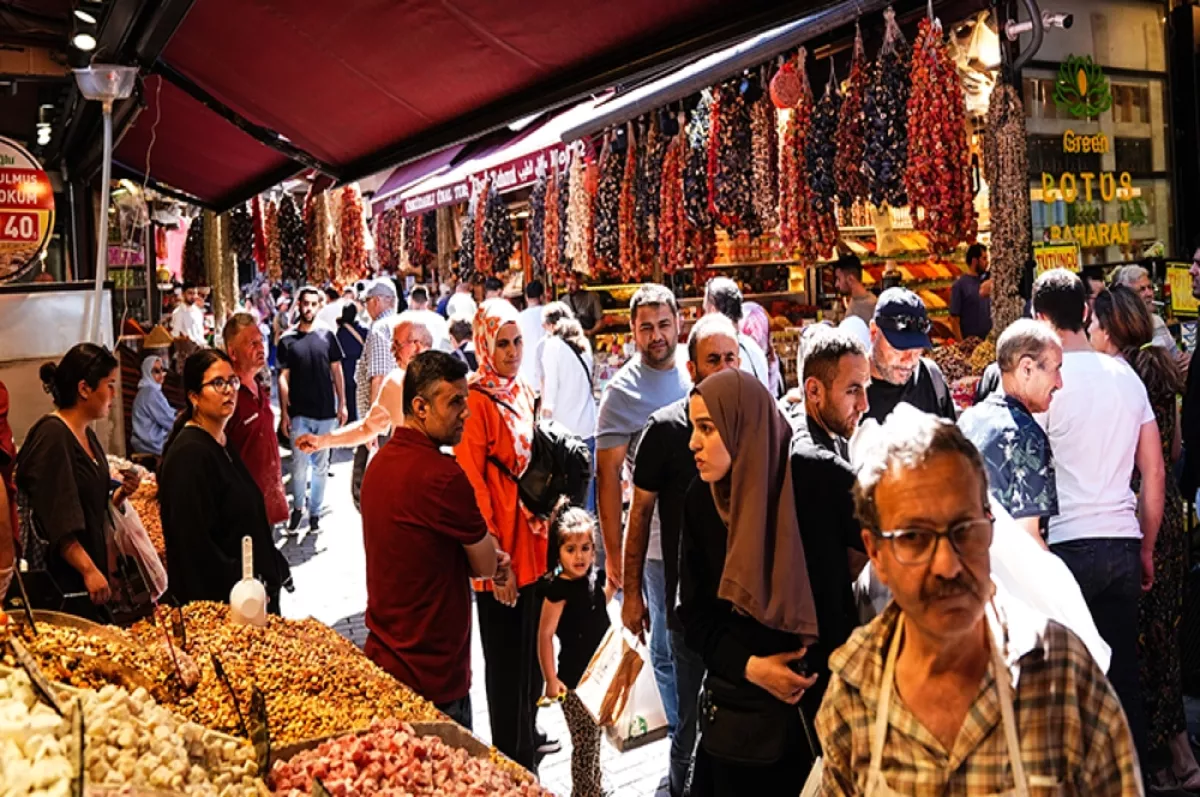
(153, 417)
(209, 500)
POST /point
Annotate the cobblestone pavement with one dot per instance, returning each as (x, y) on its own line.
(329, 572)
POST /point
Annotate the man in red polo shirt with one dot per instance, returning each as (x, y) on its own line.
(251, 430)
(425, 541)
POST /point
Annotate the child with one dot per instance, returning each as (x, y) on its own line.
(576, 596)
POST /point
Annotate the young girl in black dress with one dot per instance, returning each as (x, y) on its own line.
(576, 595)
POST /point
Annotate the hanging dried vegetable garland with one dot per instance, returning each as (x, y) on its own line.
(429, 234)
(649, 182)
(695, 170)
(938, 176)
(795, 195)
(412, 241)
(537, 227)
(579, 218)
(673, 223)
(627, 233)
(316, 224)
(851, 129)
(885, 111)
(564, 198)
(606, 207)
(193, 252)
(551, 223)
(820, 153)
(389, 238)
(353, 264)
(336, 200)
(731, 161)
(466, 247)
(764, 141)
(1007, 167)
(274, 250)
(241, 236)
(498, 234)
(292, 247)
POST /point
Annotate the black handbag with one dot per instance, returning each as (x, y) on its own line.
(742, 724)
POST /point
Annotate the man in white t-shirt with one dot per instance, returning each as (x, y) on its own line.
(418, 312)
(532, 331)
(722, 295)
(462, 303)
(187, 319)
(329, 314)
(1101, 426)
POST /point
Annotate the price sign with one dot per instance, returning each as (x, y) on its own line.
(1179, 276)
(26, 210)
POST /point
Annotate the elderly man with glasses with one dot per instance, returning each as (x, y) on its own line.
(899, 336)
(956, 688)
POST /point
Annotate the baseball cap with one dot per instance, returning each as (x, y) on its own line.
(382, 288)
(900, 315)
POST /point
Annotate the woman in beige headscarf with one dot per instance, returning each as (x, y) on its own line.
(745, 600)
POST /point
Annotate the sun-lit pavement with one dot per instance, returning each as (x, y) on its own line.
(329, 572)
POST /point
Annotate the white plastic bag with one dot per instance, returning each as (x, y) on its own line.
(134, 542)
(643, 719)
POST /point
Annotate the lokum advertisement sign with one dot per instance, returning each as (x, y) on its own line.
(26, 210)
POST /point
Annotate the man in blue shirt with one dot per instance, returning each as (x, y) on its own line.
(1015, 448)
(971, 297)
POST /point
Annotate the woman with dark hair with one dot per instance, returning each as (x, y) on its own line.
(63, 483)
(745, 600)
(209, 500)
(350, 336)
(1121, 326)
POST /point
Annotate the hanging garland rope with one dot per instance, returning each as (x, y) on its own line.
(851, 130)
(293, 249)
(1006, 163)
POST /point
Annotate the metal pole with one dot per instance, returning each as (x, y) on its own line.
(102, 226)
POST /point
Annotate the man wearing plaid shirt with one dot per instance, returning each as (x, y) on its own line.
(375, 363)
(956, 689)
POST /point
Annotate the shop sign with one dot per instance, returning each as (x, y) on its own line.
(1081, 89)
(26, 210)
(508, 176)
(1179, 277)
(1070, 187)
(1051, 256)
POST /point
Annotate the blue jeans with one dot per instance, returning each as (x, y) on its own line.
(1109, 572)
(689, 680)
(655, 581)
(301, 462)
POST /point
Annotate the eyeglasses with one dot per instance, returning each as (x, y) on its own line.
(223, 385)
(904, 323)
(156, 370)
(969, 539)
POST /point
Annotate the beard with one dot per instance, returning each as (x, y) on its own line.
(892, 374)
(843, 426)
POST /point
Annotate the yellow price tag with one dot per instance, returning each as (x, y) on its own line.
(1179, 277)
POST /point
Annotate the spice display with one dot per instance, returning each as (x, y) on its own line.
(731, 161)
(498, 233)
(952, 362)
(795, 193)
(293, 250)
(579, 218)
(241, 236)
(606, 243)
(673, 223)
(1007, 167)
(551, 227)
(937, 178)
(764, 143)
(271, 228)
(260, 235)
(389, 238)
(820, 151)
(885, 111)
(626, 227)
(392, 758)
(851, 130)
(537, 227)
(353, 264)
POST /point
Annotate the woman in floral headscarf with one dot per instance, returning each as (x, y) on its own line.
(756, 325)
(494, 451)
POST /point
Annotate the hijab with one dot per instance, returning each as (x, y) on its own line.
(765, 573)
(518, 414)
(148, 379)
(756, 325)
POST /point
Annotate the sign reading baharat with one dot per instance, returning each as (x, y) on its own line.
(26, 210)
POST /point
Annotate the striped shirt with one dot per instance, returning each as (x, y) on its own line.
(1071, 727)
(376, 360)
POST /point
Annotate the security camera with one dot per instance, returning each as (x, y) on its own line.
(1050, 19)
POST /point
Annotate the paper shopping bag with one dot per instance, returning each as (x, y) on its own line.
(605, 685)
(643, 719)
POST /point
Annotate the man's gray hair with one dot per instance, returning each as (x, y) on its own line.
(416, 329)
(908, 439)
(554, 312)
(1024, 338)
(706, 327)
(236, 323)
(1127, 275)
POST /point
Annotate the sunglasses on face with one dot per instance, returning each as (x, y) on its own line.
(905, 323)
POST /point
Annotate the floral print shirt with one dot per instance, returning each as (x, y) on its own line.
(1016, 453)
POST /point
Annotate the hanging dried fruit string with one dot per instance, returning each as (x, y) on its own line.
(731, 160)
(353, 264)
(851, 130)
(579, 217)
(885, 111)
(241, 237)
(673, 223)
(466, 248)
(317, 223)
(550, 225)
(537, 227)
(389, 238)
(483, 257)
(606, 241)
(627, 233)
(498, 234)
(293, 251)
(335, 200)
(193, 252)
(796, 219)
(564, 197)
(651, 151)
(260, 235)
(820, 152)
(764, 137)
(429, 236)
(938, 175)
(700, 234)
(274, 254)
(1007, 167)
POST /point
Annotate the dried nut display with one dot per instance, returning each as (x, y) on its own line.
(129, 741)
(90, 661)
(145, 503)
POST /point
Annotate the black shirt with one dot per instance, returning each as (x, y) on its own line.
(1190, 418)
(583, 623)
(665, 465)
(67, 489)
(209, 502)
(308, 357)
(926, 390)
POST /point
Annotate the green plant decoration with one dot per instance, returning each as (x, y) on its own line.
(1081, 89)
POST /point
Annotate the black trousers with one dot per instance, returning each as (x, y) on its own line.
(361, 455)
(511, 672)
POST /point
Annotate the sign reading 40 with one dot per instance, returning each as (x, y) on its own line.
(26, 210)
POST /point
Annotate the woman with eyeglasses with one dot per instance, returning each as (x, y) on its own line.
(209, 500)
(746, 602)
(153, 416)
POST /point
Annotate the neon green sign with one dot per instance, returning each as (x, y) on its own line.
(1081, 89)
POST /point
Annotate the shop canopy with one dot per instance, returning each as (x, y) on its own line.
(255, 91)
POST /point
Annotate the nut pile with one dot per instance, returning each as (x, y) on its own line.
(91, 661)
(983, 356)
(394, 759)
(952, 362)
(315, 682)
(145, 502)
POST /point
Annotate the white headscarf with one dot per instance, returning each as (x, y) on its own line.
(148, 379)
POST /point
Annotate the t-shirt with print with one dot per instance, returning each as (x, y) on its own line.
(1016, 453)
(1093, 425)
(308, 358)
(630, 397)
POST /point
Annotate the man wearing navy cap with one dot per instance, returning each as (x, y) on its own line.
(899, 336)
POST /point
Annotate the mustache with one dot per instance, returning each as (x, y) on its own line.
(941, 588)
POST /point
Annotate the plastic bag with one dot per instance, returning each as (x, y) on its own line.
(133, 542)
(642, 719)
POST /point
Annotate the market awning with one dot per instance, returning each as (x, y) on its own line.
(356, 86)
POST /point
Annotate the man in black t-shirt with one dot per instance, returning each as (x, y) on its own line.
(310, 378)
(899, 336)
(663, 469)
